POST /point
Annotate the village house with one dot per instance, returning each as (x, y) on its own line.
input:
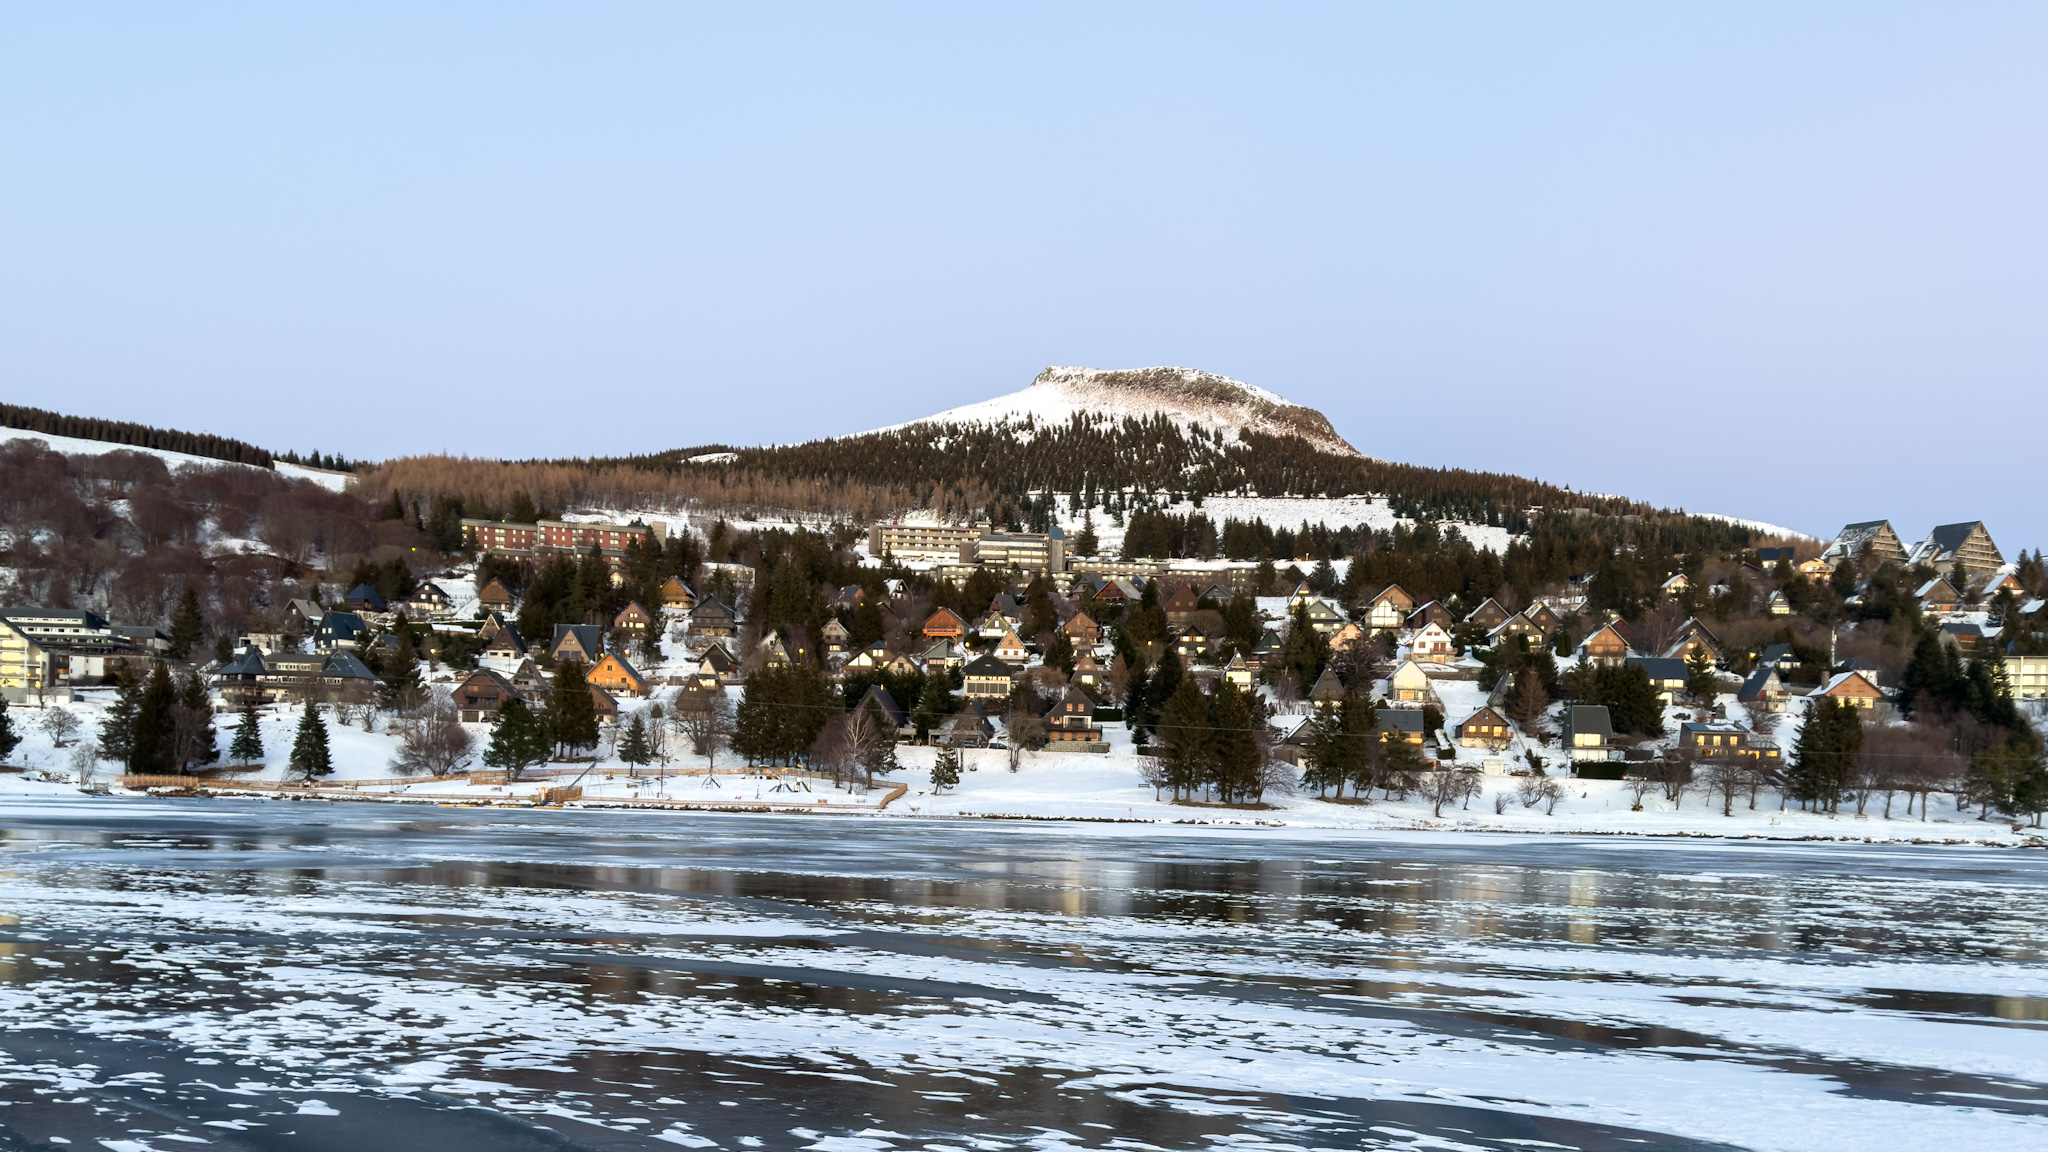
(1072, 724)
(987, 677)
(1588, 731)
(340, 630)
(1181, 605)
(1432, 645)
(1938, 596)
(1087, 672)
(1517, 631)
(1543, 616)
(1010, 650)
(605, 705)
(677, 595)
(1082, 630)
(502, 641)
(1606, 645)
(1346, 636)
(1714, 741)
(834, 636)
(968, 728)
(1322, 617)
(429, 599)
(1692, 637)
(481, 694)
(714, 619)
(254, 678)
(494, 597)
(363, 598)
(1404, 725)
(944, 624)
(1668, 676)
(1430, 613)
(1328, 689)
(1764, 690)
(1489, 615)
(614, 675)
(581, 642)
(1409, 684)
(633, 621)
(894, 718)
(1238, 673)
(1854, 688)
(1486, 728)
(1676, 585)
(1386, 611)
(717, 668)
(1965, 638)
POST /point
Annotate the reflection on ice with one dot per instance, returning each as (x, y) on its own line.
(493, 979)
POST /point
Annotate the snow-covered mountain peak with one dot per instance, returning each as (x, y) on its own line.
(1184, 395)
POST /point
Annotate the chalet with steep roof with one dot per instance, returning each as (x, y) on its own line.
(1967, 544)
(1606, 645)
(1385, 611)
(1486, 728)
(1409, 684)
(1432, 645)
(494, 597)
(584, 642)
(1489, 615)
(1873, 538)
(614, 675)
(677, 595)
(1430, 613)
(1854, 688)
(481, 694)
(1938, 596)
(633, 621)
(944, 624)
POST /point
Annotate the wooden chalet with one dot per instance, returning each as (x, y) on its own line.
(677, 595)
(1692, 637)
(834, 636)
(715, 619)
(1082, 630)
(1516, 629)
(1486, 728)
(1087, 672)
(1430, 613)
(1764, 690)
(968, 728)
(606, 706)
(493, 597)
(481, 694)
(1606, 645)
(1854, 688)
(503, 642)
(1238, 673)
(1489, 615)
(1182, 604)
(633, 621)
(1668, 675)
(878, 700)
(1328, 689)
(363, 598)
(1938, 596)
(584, 642)
(1010, 650)
(1716, 741)
(717, 668)
(1385, 611)
(1401, 725)
(429, 599)
(945, 624)
(616, 676)
(1072, 721)
(1351, 633)
(1543, 616)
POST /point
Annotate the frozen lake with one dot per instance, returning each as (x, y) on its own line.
(337, 976)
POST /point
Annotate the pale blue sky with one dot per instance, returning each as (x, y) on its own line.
(1786, 262)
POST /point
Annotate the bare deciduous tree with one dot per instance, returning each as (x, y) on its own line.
(432, 740)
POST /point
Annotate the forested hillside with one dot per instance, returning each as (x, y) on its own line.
(957, 470)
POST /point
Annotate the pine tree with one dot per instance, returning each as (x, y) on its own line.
(117, 728)
(310, 756)
(933, 704)
(401, 672)
(519, 741)
(198, 742)
(1186, 738)
(945, 769)
(9, 740)
(188, 627)
(151, 736)
(1927, 675)
(1234, 750)
(248, 743)
(633, 748)
(1700, 681)
(1527, 701)
(1085, 542)
(1825, 755)
(572, 711)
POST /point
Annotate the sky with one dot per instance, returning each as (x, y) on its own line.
(1782, 262)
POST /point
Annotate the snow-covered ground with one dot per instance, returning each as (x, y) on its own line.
(1054, 785)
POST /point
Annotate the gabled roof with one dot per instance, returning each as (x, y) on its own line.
(1661, 667)
(1841, 681)
(988, 667)
(1588, 719)
(942, 619)
(367, 595)
(1937, 589)
(489, 676)
(880, 695)
(1487, 714)
(1402, 720)
(1754, 688)
(486, 593)
(588, 637)
(1327, 687)
(345, 665)
(248, 663)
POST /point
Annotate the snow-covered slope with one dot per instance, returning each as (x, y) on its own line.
(71, 446)
(1184, 395)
